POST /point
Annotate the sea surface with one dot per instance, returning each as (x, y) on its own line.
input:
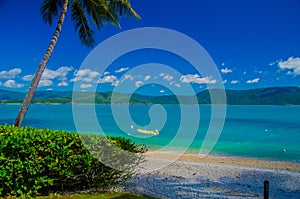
(263, 132)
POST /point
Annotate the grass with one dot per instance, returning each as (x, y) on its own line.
(100, 195)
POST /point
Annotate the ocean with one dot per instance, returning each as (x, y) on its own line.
(262, 132)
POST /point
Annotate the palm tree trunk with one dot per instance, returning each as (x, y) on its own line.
(35, 82)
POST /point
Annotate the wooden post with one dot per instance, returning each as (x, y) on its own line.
(266, 189)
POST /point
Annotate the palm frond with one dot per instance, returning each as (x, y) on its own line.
(123, 8)
(95, 9)
(112, 17)
(100, 12)
(49, 10)
(86, 34)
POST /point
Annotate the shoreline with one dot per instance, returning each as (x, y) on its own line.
(190, 176)
(231, 160)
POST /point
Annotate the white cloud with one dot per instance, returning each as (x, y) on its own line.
(292, 64)
(12, 84)
(197, 79)
(45, 82)
(64, 70)
(162, 74)
(61, 73)
(27, 78)
(168, 77)
(162, 91)
(62, 83)
(251, 81)
(289, 73)
(121, 70)
(49, 75)
(106, 73)
(138, 83)
(85, 86)
(225, 81)
(245, 72)
(107, 79)
(126, 77)
(234, 82)
(223, 64)
(273, 63)
(115, 83)
(177, 85)
(226, 70)
(85, 75)
(14, 72)
(10, 74)
(147, 78)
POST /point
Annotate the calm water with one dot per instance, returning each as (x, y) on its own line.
(249, 131)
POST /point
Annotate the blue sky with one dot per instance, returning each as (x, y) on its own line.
(254, 43)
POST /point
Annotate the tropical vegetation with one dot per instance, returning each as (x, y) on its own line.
(41, 161)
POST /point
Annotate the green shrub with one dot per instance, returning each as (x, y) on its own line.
(42, 161)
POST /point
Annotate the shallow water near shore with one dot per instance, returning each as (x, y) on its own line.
(265, 132)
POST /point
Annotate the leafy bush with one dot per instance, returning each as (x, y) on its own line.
(42, 161)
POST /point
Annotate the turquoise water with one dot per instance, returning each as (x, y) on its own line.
(249, 131)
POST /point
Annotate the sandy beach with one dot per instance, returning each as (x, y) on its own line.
(214, 177)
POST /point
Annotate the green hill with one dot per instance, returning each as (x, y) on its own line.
(6, 95)
(260, 96)
(265, 96)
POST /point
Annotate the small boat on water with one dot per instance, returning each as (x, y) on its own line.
(148, 132)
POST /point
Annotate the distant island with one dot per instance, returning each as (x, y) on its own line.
(259, 96)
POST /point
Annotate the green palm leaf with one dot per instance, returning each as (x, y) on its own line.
(49, 10)
(123, 8)
(91, 8)
(100, 12)
(81, 24)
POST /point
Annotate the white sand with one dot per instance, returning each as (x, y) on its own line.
(191, 177)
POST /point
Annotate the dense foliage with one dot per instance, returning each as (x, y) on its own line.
(42, 161)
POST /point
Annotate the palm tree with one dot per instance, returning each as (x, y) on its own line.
(99, 11)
